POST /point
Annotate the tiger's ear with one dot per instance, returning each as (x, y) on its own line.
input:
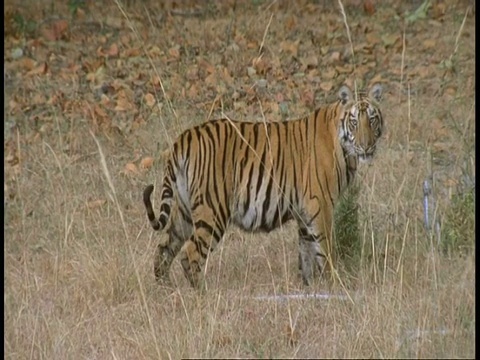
(345, 94)
(376, 92)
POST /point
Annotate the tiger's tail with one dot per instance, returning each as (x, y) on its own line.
(165, 205)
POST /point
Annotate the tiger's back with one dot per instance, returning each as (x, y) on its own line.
(259, 175)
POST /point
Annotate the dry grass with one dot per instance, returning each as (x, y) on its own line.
(78, 248)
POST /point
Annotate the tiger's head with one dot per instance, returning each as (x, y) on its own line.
(362, 122)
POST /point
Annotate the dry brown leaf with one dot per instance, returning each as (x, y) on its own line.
(260, 65)
(279, 97)
(123, 103)
(346, 69)
(373, 38)
(369, 7)
(222, 340)
(308, 97)
(100, 112)
(112, 50)
(192, 74)
(451, 182)
(290, 46)
(226, 76)
(326, 85)
(390, 39)
(156, 81)
(211, 79)
(39, 99)
(149, 100)
(192, 92)
(56, 30)
(377, 78)
(13, 105)
(26, 63)
(174, 52)
(429, 44)
(439, 10)
(310, 61)
(329, 74)
(146, 162)
(131, 168)
(96, 203)
(132, 52)
(291, 22)
(292, 335)
(49, 34)
(60, 27)
(205, 65)
(12, 159)
(41, 69)
(335, 56)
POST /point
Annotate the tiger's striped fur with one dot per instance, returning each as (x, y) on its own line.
(260, 175)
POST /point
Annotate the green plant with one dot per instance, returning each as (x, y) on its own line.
(347, 232)
(458, 233)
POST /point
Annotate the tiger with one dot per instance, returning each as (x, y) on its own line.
(259, 175)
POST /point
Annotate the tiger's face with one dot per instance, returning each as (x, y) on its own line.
(362, 122)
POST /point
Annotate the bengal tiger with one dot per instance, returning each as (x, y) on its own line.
(259, 175)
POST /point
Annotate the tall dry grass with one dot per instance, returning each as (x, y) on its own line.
(78, 248)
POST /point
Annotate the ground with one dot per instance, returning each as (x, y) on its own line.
(95, 95)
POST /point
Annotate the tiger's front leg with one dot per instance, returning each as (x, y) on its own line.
(315, 246)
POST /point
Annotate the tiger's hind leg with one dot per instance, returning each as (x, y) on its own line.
(179, 231)
(207, 233)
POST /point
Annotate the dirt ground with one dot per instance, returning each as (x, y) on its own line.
(96, 92)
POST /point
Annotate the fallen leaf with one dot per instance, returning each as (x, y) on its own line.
(174, 52)
(310, 61)
(451, 182)
(205, 65)
(291, 22)
(38, 99)
(123, 103)
(56, 30)
(227, 77)
(346, 69)
(292, 335)
(308, 97)
(132, 52)
(131, 168)
(429, 43)
(290, 46)
(149, 100)
(326, 85)
(100, 112)
(96, 203)
(146, 162)
(41, 69)
(369, 7)
(222, 340)
(390, 39)
(112, 50)
(439, 10)
(26, 63)
(335, 56)
(329, 74)
(260, 65)
(373, 38)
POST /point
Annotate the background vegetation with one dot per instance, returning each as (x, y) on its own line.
(95, 92)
